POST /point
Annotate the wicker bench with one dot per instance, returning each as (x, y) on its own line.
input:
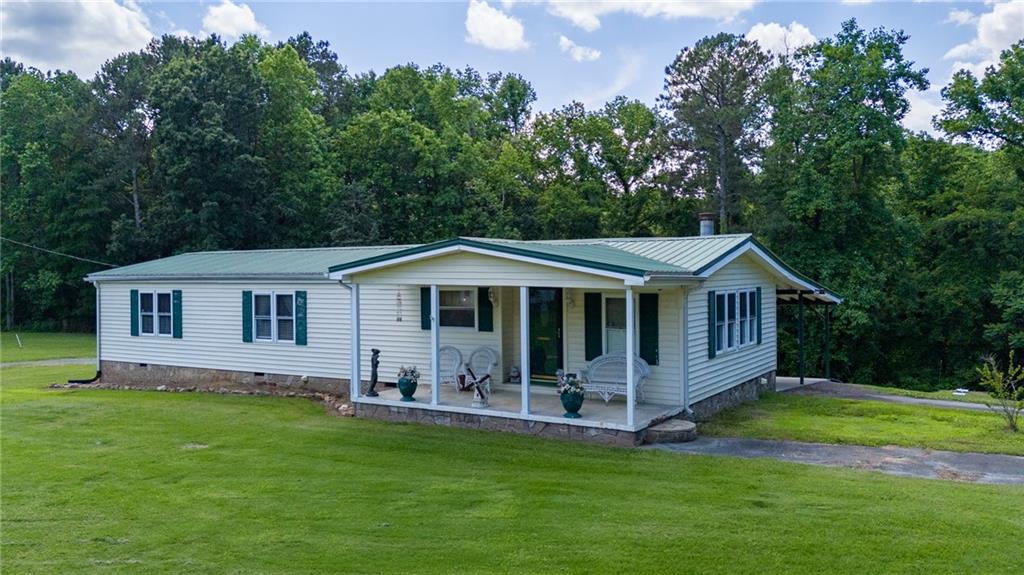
(606, 376)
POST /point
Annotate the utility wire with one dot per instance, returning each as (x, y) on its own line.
(57, 253)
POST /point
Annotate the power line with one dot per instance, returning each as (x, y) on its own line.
(58, 253)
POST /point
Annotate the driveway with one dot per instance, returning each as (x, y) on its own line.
(854, 391)
(905, 461)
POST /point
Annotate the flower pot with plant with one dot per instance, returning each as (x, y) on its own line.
(408, 379)
(570, 391)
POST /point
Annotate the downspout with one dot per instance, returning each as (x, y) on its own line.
(99, 344)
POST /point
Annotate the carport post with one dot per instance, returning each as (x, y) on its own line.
(828, 341)
(800, 337)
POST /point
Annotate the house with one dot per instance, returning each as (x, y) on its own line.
(696, 313)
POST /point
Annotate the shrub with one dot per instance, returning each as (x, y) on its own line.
(1006, 387)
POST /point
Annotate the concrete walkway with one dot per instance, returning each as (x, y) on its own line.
(45, 362)
(854, 391)
(905, 461)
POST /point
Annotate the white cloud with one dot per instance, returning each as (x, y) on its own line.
(492, 28)
(230, 21)
(996, 31)
(961, 17)
(78, 36)
(577, 52)
(587, 15)
(780, 39)
(923, 106)
(627, 74)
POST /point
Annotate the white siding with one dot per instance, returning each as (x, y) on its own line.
(475, 269)
(727, 369)
(212, 330)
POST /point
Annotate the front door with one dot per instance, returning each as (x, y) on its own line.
(545, 331)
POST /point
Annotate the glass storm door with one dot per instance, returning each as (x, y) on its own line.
(545, 331)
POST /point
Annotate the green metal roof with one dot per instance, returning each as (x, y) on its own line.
(294, 263)
(642, 257)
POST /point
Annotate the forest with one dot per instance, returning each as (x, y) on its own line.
(196, 144)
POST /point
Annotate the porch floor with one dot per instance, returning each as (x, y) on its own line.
(544, 402)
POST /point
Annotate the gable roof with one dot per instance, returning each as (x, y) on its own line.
(635, 260)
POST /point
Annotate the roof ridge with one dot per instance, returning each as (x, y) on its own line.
(318, 249)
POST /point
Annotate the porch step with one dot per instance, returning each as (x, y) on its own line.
(671, 431)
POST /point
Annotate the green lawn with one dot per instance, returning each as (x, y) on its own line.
(132, 482)
(945, 394)
(46, 346)
(866, 422)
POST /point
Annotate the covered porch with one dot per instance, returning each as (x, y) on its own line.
(538, 319)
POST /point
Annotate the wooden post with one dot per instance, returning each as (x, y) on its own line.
(630, 352)
(356, 376)
(435, 345)
(524, 348)
(828, 341)
(800, 336)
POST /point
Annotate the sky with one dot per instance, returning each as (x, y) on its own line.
(569, 50)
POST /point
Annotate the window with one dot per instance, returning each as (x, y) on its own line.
(274, 316)
(285, 316)
(457, 307)
(155, 313)
(735, 319)
(615, 325)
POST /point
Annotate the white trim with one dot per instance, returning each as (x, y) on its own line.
(355, 376)
(770, 261)
(524, 349)
(99, 336)
(435, 345)
(684, 360)
(346, 274)
(630, 353)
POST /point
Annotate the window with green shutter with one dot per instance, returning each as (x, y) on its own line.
(134, 307)
(300, 318)
(485, 310)
(424, 308)
(247, 316)
(176, 314)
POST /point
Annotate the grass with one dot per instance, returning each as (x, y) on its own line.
(866, 422)
(944, 394)
(36, 346)
(132, 482)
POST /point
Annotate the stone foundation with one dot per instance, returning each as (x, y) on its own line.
(496, 423)
(152, 376)
(749, 390)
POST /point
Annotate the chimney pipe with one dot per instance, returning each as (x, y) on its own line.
(707, 224)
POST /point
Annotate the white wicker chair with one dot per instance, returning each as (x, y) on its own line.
(451, 366)
(478, 369)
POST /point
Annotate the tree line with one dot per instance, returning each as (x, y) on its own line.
(197, 144)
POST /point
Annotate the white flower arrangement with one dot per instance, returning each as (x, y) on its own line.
(570, 384)
(410, 372)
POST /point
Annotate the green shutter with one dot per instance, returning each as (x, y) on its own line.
(424, 308)
(649, 327)
(711, 325)
(135, 312)
(176, 313)
(247, 316)
(485, 310)
(300, 318)
(758, 304)
(592, 325)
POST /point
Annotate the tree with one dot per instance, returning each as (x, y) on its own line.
(715, 92)
(990, 111)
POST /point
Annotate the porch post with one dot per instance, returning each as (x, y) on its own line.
(524, 348)
(630, 384)
(435, 346)
(356, 376)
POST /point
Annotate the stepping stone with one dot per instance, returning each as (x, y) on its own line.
(671, 431)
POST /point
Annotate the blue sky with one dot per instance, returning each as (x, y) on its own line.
(587, 51)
